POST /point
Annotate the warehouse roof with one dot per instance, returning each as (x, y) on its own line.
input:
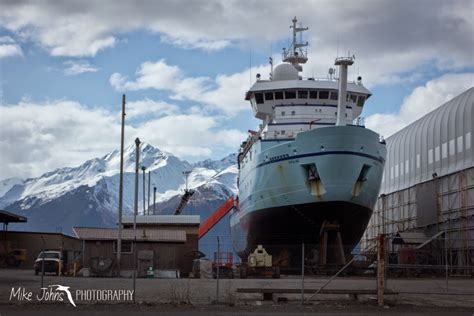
(7, 217)
(160, 235)
(164, 219)
(439, 143)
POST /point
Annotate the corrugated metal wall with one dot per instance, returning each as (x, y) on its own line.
(428, 181)
(440, 142)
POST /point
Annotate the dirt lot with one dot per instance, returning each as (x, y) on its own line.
(189, 296)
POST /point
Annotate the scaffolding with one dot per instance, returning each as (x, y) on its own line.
(409, 210)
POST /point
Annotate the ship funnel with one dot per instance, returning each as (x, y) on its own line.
(343, 63)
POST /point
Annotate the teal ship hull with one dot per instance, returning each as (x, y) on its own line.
(289, 187)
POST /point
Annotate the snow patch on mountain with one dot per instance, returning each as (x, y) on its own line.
(65, 191)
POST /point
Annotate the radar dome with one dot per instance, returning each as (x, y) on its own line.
(285, 72)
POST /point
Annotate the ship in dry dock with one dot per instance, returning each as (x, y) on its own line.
(310, 163)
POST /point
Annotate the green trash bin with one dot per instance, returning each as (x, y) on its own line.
(150, 273)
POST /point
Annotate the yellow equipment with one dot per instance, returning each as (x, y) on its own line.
(259, 264)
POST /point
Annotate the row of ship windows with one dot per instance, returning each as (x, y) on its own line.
(283, 113)
(439, 153)
(304, 94)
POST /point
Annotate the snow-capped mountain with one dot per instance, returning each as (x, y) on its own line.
(87, 195)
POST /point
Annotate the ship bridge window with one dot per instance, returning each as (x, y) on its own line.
(279, 95)
(282, 113)
(293, 112)
(259, 98)
(313, 94)
(268, 96)
(290, 94)
(361, 100)
(302, 94)
(323, 95)
(334, 95)
(353, 98)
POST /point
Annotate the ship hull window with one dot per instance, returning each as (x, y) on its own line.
(290, 94)
(279, 95)
(323, 95)
(259, 98)
(302, 94)
(269, 96)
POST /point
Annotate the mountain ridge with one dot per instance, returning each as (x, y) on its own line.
(87, 194)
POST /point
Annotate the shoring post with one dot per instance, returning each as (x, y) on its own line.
(381, 269)
(302, 273)
(446, 259)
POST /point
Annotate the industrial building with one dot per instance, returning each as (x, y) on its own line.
(30, 244)
(428, 182)
(35, 242)
(160, 242)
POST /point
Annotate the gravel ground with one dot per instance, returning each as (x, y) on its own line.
(196, 297)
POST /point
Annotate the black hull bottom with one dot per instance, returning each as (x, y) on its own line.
(284, 229)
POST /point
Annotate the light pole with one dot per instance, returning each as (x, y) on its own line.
(149, 185)
(137, 162)
(144, 179)
(154, 199)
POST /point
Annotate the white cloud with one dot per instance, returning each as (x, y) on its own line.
(39, 137)
(224, 92)
(6, 40)
(421, 101)
(190, 134)
(390, 38)
(157, 75)
(77, 67)
(36, 138)
(9, 48)
(192, 43)
(149, 108)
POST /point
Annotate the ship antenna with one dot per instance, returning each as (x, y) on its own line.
(270, 60)
(295, 54)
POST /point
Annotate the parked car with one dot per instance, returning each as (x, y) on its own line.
(52, 259)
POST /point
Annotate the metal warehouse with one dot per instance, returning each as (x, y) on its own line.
(428, 182)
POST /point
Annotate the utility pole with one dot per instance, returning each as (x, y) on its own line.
(120, 201)
(149, 188)
(137, 170)
(137, 163)
(154, 199)
(144, 199)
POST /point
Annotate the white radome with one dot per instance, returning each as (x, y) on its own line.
(285, 72)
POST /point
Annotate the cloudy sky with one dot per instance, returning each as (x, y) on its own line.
(185, 66)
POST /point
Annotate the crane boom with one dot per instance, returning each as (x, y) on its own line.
(215, 217)
(184, 201)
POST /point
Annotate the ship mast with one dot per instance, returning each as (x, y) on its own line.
(295, 54)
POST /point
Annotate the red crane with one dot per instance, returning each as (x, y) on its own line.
(215, 217)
